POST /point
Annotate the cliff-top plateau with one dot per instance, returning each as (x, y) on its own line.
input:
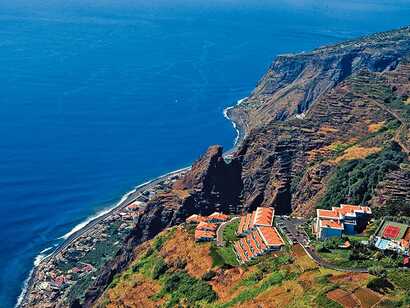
(321, 128)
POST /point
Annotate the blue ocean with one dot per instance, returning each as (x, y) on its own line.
(98, 96)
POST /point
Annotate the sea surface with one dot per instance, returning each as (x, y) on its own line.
(99, 96)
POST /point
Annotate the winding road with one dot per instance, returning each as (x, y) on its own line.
(219, 233)
(290, 226)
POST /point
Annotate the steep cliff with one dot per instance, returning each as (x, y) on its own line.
(313, 113)
(295, 81)
(211, 185)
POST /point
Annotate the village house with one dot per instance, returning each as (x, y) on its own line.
(218, 218)
(204, 235)
(393, 236)
(259, 242)
(348, 219)
(206, 225)
(205, 231)
(195, 219)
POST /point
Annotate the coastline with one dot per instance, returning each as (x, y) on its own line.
(81, 228)
(239, 129)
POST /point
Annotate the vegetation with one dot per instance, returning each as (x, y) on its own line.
(323, 301)
(358, 256)
(229, 234)
(401, 279)
(225, 256)
(355, 181)
(381, 285)
(264, 284)
(184, 289)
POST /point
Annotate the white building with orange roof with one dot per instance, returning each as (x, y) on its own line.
(196, 219)
(218, 217)
(259, 235)
(348, 219)
(271, 238)
(261, 217)
(207, 226)
(259, 242)
(204, 235)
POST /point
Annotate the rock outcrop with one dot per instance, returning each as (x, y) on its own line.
(310, 108)
(295, 81)
(211, 185)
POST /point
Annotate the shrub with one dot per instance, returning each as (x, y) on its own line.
(378, 271)
(324, 279)
(182, 287)
(180, 264)
(322, 248)
(159, 269)
(380, 285)
(136, 267)
(359, 178)
(208, 275)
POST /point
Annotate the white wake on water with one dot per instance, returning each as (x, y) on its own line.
(37, 261)
(107, 210)
(225, 113)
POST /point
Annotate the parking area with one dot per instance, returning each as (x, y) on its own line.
(293, 229)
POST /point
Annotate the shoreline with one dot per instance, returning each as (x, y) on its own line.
(239, 129)
(129, 197)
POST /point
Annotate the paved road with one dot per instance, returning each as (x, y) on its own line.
(293, 230)
(219, 233)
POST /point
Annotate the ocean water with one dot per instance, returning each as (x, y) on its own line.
(99, 96)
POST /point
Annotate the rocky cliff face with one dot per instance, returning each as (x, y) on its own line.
(295, 81)
(314, 111)
(211, 185)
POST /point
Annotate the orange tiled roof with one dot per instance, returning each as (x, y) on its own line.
(241, 225)
(218, 216)
(196, 219)
(327, 214)
(259, 240)
(404, 244)
(270, 236)
(351, 209)
(331, 224)
(247, 222)
(207, 226)
(201, 234)
(240, 252)
(251, 220)
(264, 216)
(246, 248)
(252, 243)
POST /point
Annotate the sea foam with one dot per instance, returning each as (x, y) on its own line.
(225, 113)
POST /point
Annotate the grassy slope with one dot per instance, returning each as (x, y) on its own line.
(166, 275)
